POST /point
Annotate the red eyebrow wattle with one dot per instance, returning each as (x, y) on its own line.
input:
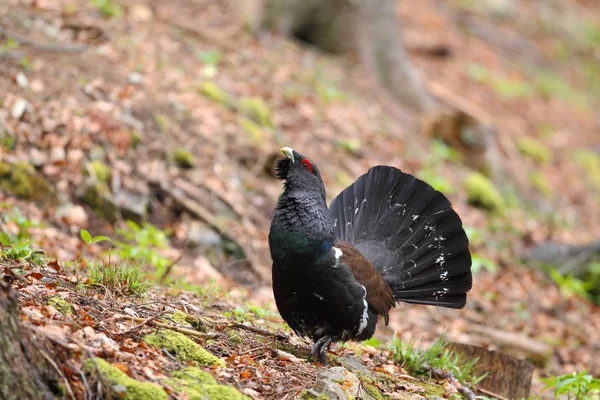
(308, 165)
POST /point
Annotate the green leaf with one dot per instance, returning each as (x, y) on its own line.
(372, 342)
(85, 235)
(98, 239)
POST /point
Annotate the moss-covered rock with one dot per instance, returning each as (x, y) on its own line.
(183, 158)
(539, 182)
(99, 169)
(234, 337)
(60, 305)
(258, 110)
(589, 162)
(184, 319)
(97, 195)
(481, 191)
(253, 130)
(134, 390)
(22, 180)
(184, 348)
(215, 93)
(534, 150)
(200, 385)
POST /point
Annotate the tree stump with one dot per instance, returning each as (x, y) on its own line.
(507, 376)
(24, 372)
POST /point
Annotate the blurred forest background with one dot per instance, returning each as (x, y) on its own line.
(137, 141)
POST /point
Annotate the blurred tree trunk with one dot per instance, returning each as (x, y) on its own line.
(24, 372)
(369, 27)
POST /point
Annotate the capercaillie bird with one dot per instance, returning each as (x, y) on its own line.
(389, 237)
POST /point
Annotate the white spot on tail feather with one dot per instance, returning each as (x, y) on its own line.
(364, 319)
(444, 276)
(415, 217)
(338, 252)
(440, 260)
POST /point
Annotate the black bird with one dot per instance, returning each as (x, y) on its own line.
(388, 237)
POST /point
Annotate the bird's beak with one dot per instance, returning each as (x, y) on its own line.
(288, 152)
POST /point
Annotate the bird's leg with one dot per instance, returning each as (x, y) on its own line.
(319, 349)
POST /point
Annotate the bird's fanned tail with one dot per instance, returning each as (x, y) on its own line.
(410, 233)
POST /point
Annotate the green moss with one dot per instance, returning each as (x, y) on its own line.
(4, 169)
(234, 337)
(258, 110)
(22, 180)
(253, 130)
(186, 320)
(183, 158)
(135, 390)
(182, 347)
(589, 162)
(61, 305)
(100, 170)
(215, 93)
(481, 191)
(539, 182)
(162, 121)
(200, 385)
(534, 150)
(373, 391)
(97, 195)
(309, 395)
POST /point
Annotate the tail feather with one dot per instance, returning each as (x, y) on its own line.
(410, 233)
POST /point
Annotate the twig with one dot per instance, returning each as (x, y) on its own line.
(167, 272)
(260, 331)
(489, 393)
(60, 373)
(449, 376)
(83, 379)
(185, 331)
(252, 350)
(141, 324)
(50, 47)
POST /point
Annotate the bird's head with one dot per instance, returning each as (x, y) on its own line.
(298, 172)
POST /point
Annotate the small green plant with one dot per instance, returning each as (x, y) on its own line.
(419, 362)
(88, 239)
(211, 60)
(141, 244)
(480, 262)
(125, 278)
(569, 285)
(108, 8)
(577, 386)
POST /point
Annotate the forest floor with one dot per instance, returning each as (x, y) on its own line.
(173, 114)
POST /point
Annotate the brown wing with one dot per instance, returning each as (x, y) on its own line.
(379, 294)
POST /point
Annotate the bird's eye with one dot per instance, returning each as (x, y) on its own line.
(307, 165)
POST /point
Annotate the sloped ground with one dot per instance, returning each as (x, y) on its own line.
(157, 79)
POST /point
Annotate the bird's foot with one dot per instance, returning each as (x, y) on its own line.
(319, 349)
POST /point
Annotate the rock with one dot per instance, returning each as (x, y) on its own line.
(353, 364)
(21, 80)
(335, 383)
(135, 78)
(37, 157)
(18, 109)
(141, 13)
(133, 206)
(200, 235)
(97, 195)
(22, 180)
(58, 154)
(73, 215)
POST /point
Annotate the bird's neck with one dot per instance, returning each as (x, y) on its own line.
(302, 227)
